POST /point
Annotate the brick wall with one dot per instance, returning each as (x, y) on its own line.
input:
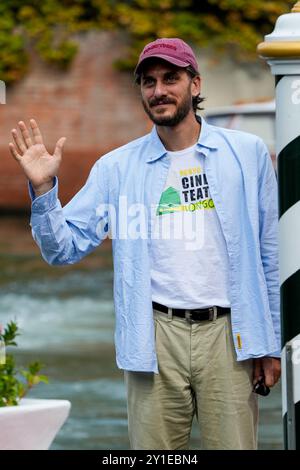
(95, 106)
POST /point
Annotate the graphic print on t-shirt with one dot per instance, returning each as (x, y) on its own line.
(189, 260)
(191, 194)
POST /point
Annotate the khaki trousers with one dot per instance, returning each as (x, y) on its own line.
(198, 375)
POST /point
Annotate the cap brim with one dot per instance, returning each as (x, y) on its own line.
(169, 59)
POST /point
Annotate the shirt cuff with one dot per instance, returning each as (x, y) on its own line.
(45, 202)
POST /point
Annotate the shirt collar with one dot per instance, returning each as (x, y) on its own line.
(206, 142)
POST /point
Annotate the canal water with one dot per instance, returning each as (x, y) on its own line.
(66, 318)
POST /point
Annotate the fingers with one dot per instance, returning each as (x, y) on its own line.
(24, 141)
(273, 372)
(277, 369)
(271, 369)
(269, 376)
(59, 147)
(25, 134)
(37, 136)
(19, 143)
(14, 152)
(257, 370)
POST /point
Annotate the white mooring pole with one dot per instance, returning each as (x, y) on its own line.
(281, 49)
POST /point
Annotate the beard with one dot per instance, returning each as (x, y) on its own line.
(179, 114)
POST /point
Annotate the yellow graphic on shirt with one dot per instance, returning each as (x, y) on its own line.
(190, 171)
(193, 194)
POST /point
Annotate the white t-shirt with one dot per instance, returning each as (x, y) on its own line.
(189, 260)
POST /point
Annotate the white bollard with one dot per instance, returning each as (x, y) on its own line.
(281, 49)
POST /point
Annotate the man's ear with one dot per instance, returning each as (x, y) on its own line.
(196, 85)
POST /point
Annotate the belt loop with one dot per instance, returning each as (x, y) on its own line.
(170, 314)
(213, 313)
(188, 316)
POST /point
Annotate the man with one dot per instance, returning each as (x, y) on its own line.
(196, 277)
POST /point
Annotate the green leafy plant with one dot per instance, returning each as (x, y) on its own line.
(234, 27)
(15, 382)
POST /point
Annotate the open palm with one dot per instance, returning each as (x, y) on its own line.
(29, 150)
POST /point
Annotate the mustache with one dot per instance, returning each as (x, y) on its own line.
(156, 101)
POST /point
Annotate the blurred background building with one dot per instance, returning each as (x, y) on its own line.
(69, 65)
(94, 105)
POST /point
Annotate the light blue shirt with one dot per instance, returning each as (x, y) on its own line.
(129, 181)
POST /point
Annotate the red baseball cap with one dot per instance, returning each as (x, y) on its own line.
(173, 50)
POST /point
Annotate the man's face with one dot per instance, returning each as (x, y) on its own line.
(167, 93)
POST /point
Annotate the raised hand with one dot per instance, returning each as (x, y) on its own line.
(38, 165)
